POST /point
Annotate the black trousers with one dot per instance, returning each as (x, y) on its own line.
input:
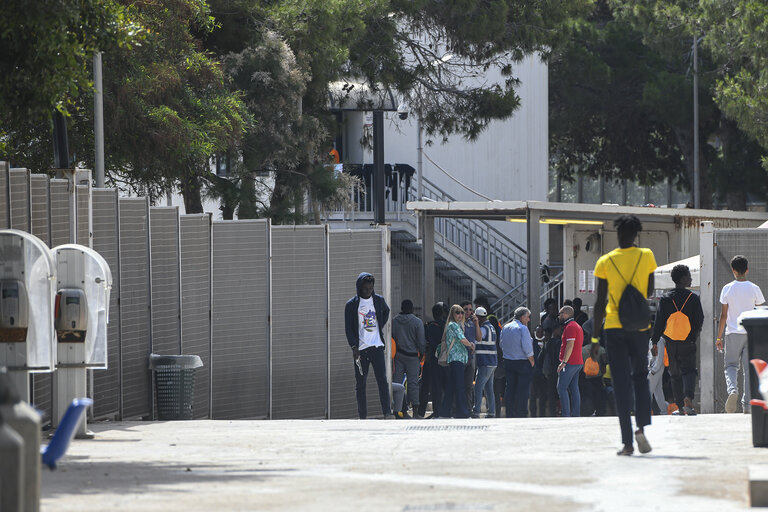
(431, 387)
(628, 357)
(682, 370)
(372, 356)
(519, 373)
(539, 396)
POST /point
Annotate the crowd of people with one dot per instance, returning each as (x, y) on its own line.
(619, 361)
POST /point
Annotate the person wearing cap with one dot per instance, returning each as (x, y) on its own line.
(408, 333)
(485, 356)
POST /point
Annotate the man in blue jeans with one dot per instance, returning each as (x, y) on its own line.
(571, 363)
(365, 315)
(517, 347)
(485, 356)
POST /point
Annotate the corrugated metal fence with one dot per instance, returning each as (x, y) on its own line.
(262, 306)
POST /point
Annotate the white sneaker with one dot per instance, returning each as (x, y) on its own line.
(732, 403)
(643, 446)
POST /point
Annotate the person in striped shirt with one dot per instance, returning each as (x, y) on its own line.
(485, 354)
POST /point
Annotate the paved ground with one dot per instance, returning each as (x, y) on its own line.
(552, 464)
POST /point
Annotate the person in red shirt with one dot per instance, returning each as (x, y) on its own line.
(571, 363)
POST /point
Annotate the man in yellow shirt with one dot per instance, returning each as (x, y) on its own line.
(627, 349)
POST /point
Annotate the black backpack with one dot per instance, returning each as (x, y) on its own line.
(634, 312)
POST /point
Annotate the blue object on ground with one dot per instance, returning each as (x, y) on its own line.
(56, 449)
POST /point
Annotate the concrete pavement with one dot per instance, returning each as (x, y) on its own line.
(697, 463)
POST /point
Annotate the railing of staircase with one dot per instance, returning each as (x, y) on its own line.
(500, 256)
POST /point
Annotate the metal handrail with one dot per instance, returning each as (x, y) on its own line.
(505, 307)
(494, 251)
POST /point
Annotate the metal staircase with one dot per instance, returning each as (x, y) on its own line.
(473, 247)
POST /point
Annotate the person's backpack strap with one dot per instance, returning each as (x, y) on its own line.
(684, 303)
(633, 272)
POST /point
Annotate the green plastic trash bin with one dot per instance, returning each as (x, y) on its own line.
(174, 385)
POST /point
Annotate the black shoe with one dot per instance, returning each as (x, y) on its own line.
(400, 415)
(626, 451)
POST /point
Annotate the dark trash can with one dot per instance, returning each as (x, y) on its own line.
(174, 385)
(756, 324)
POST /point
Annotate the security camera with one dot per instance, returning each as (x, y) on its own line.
(402, 111)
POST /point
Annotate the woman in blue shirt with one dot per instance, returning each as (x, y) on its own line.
(458, 354)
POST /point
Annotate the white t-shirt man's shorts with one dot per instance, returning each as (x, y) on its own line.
(368, 328)
(740, 296)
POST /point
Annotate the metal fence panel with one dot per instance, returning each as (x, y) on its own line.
(752, 244)
(106, 383)
(299, 322)
(135, 320)
(20, 199)
(196, 303)
(350, 253)
(164, 231)
(60, 224)
(240, 366)
(83, 198)
(4, 196)
(39, 209)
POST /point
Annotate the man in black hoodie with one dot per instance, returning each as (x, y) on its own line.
(365, 316)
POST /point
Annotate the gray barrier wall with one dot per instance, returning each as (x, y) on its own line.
(20, 199)
(350, 253)
(240, 320)
(299, 319)
(135, 297)
(5, 213)
(60, 213)
(107, 389)
(40, 227)
(166, 321)
(195, 234)
(262, 306)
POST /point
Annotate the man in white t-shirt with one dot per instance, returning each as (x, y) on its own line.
(365, 315)
(736, 297)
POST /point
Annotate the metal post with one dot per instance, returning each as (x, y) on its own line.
(419, 163)
(327, 321)
(534, 278)
(98, 121)
(602, 189)
(580, 189)
(428, 262)
(60, 141)
(386, 291)
(623, 193)
(696, 192)
(707, 291)
(669, 192)
(378, 167)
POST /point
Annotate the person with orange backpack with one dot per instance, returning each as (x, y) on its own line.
(679, 320)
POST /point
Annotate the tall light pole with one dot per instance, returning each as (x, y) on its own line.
(98, 121)
(696, 177)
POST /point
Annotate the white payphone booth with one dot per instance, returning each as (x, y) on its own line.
(81, 314)
(27, 291)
